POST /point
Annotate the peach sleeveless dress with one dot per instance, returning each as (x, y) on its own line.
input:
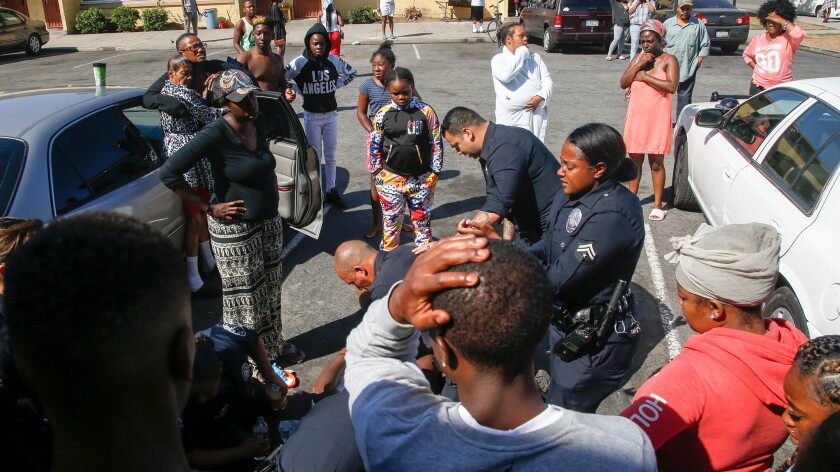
(647, 126)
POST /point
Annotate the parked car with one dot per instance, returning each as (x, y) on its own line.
(569, 22)
(773, 159)
(813, 7)
(63, 151)
(727, 25)
(18, 32)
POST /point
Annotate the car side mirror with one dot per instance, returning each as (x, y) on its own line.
(709, 118)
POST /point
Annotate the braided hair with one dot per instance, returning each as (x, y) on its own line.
(820, 357)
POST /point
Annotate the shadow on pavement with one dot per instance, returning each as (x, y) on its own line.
(22, 56)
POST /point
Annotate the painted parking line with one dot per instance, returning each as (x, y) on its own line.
(287, 248)
(105, 59)
(416, 52)
(665, 315)
(219, 52)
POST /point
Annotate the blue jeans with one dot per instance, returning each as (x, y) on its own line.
(684, 91)
(617, 44)
(634, 40)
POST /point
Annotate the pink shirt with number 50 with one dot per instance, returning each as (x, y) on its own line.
(773, 57)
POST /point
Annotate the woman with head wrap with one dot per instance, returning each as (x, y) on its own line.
(650, 79)
(716, 406)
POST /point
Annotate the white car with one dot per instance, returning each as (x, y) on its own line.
(773, 159)
(813, 7)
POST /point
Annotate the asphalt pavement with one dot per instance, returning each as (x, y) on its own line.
(318, 308)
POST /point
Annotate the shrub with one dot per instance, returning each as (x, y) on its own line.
(154, 19)
(125, 18)
(91, 20)
(363, 14)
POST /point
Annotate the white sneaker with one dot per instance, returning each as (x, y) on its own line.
(393, 37)
(482, 30)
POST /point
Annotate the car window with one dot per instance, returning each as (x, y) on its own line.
(585, 6)
(10, 18)
(12, 156)
(804, 157)
(277, 120)
(101, 152)
(754, 119)
(148, 123)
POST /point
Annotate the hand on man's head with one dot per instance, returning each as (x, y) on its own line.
(411, 301)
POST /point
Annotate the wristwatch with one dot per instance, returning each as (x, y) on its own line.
(785, 24)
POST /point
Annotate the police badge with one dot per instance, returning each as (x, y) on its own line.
(574, 220)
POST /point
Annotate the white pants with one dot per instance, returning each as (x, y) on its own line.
(634, 40)
(534, 121)
(322, 131)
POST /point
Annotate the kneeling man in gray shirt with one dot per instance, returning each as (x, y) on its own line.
(486, 305)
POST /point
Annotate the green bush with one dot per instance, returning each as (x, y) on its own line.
(363, 14)
(125, 18)
(154, 19)
(91, 20)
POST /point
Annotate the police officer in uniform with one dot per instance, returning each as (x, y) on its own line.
(518, 168)
(594, 239)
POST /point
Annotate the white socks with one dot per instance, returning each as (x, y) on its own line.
(474, 28)
(192, 274)
(481, 28)
(206, 254)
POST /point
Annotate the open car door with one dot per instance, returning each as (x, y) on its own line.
(298, 169)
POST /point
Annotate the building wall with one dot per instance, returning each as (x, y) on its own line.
(229, 9)
(429, 8)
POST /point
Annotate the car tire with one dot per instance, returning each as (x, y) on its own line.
(33, 45)
(684, 198)
(549, 43)
(729, 48)
(784, 304)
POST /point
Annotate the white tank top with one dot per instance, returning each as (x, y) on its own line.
(333, 23)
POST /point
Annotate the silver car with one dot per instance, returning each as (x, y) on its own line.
(18, 32)
(63, 151)
(813, 7)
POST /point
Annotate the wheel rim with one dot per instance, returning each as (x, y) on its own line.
(34, 44)
(783, 313)
(546, 39)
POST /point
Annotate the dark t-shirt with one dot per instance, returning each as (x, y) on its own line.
(238, 174)
(390, 267)
(521, 176)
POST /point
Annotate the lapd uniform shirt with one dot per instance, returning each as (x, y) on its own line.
(521, 175)
(203, 424)
(591, 243)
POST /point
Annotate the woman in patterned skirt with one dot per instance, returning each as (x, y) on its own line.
(244, 223)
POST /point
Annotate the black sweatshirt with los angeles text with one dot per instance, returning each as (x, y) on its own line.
(317, 79)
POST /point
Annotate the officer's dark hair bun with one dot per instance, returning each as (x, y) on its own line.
(599, 142)
(626, 171)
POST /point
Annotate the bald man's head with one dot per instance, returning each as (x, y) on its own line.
(354, 263)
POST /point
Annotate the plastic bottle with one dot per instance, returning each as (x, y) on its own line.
(287, 428)
(260, 432)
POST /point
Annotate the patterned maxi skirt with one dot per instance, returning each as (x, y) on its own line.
(250, 259)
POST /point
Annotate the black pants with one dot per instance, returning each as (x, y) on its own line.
(754, 89)
(582, 384)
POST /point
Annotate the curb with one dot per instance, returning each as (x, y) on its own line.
(362, 42)
(825, 52)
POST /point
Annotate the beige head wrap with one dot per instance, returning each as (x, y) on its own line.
(736, 264)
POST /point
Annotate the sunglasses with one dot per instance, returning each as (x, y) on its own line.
(195, 47)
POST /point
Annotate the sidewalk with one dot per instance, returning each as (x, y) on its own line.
(423, 32)
(407, 33)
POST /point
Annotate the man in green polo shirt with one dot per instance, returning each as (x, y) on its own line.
(688, 40)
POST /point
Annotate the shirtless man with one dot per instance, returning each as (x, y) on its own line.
(262, 63)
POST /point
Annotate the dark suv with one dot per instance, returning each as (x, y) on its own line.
(569, 21)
